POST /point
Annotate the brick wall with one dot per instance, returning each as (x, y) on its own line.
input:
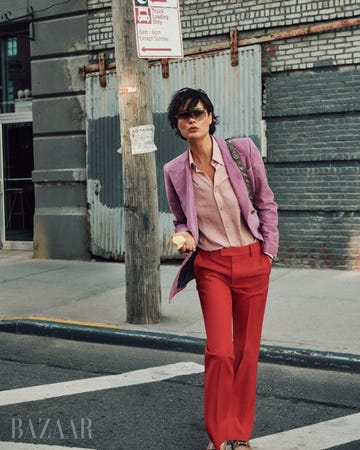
(322, 240)
(216, 17)
(335, 48)
(323, 137)
(98, 4)
(312, 92)
(313, 132)
(100, 25)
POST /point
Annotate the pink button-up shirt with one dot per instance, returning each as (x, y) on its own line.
(218, 210)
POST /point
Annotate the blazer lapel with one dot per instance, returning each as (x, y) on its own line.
(185, 190)
(190, 203)
(236, 179)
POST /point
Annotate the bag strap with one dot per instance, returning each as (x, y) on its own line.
(237, 159)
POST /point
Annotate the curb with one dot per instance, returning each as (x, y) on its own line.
(102, 334)
(98, 333)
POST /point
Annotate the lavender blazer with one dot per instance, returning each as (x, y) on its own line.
(261, 216)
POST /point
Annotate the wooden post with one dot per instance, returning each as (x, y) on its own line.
(142, 253)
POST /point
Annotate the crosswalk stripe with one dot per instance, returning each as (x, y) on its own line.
(149, 375)
(22, 446)
(318, 436)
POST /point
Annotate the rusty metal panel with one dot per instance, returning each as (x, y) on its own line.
(236, 94)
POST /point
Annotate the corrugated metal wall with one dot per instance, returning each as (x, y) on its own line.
(236, 94)
(234, 91)
(104, 166)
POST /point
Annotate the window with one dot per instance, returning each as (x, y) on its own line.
(15, 76)
(12, 47)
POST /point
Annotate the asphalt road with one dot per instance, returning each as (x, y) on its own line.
(108, 397)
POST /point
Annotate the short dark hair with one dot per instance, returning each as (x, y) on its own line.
(192, 97)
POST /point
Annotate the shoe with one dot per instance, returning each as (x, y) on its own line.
(211, 446)
(238, 445)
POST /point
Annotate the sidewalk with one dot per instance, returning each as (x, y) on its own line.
(312, 316)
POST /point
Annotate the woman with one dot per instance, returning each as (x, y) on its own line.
(231, 243)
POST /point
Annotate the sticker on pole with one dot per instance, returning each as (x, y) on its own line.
(158, 30)
(142, 139)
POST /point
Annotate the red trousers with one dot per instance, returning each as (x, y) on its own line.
(232, 284)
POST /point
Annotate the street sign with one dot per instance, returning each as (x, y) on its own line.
(158, 31)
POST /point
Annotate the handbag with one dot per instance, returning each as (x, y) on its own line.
(237, 159)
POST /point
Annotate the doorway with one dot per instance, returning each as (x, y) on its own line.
(16, 187)
(16, 140)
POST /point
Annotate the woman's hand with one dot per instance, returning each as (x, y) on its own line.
(184, 242)
(269, 258)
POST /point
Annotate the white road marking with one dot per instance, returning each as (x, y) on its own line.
(318, 436)
(21, 446)
(149, 375)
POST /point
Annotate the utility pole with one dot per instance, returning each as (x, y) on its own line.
(142, 253)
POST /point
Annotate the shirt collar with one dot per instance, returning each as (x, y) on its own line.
(216, 156)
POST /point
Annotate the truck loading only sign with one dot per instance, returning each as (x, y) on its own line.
(158, 31)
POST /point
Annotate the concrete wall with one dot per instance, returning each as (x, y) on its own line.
(60, 48)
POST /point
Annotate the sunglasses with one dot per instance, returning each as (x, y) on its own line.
(197, 114)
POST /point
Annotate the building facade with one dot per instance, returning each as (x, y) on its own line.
(43, 201)
(298, 68)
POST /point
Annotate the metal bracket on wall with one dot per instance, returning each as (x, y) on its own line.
(98, 69)
(165, 67)
(102, 69)
(234, 52)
